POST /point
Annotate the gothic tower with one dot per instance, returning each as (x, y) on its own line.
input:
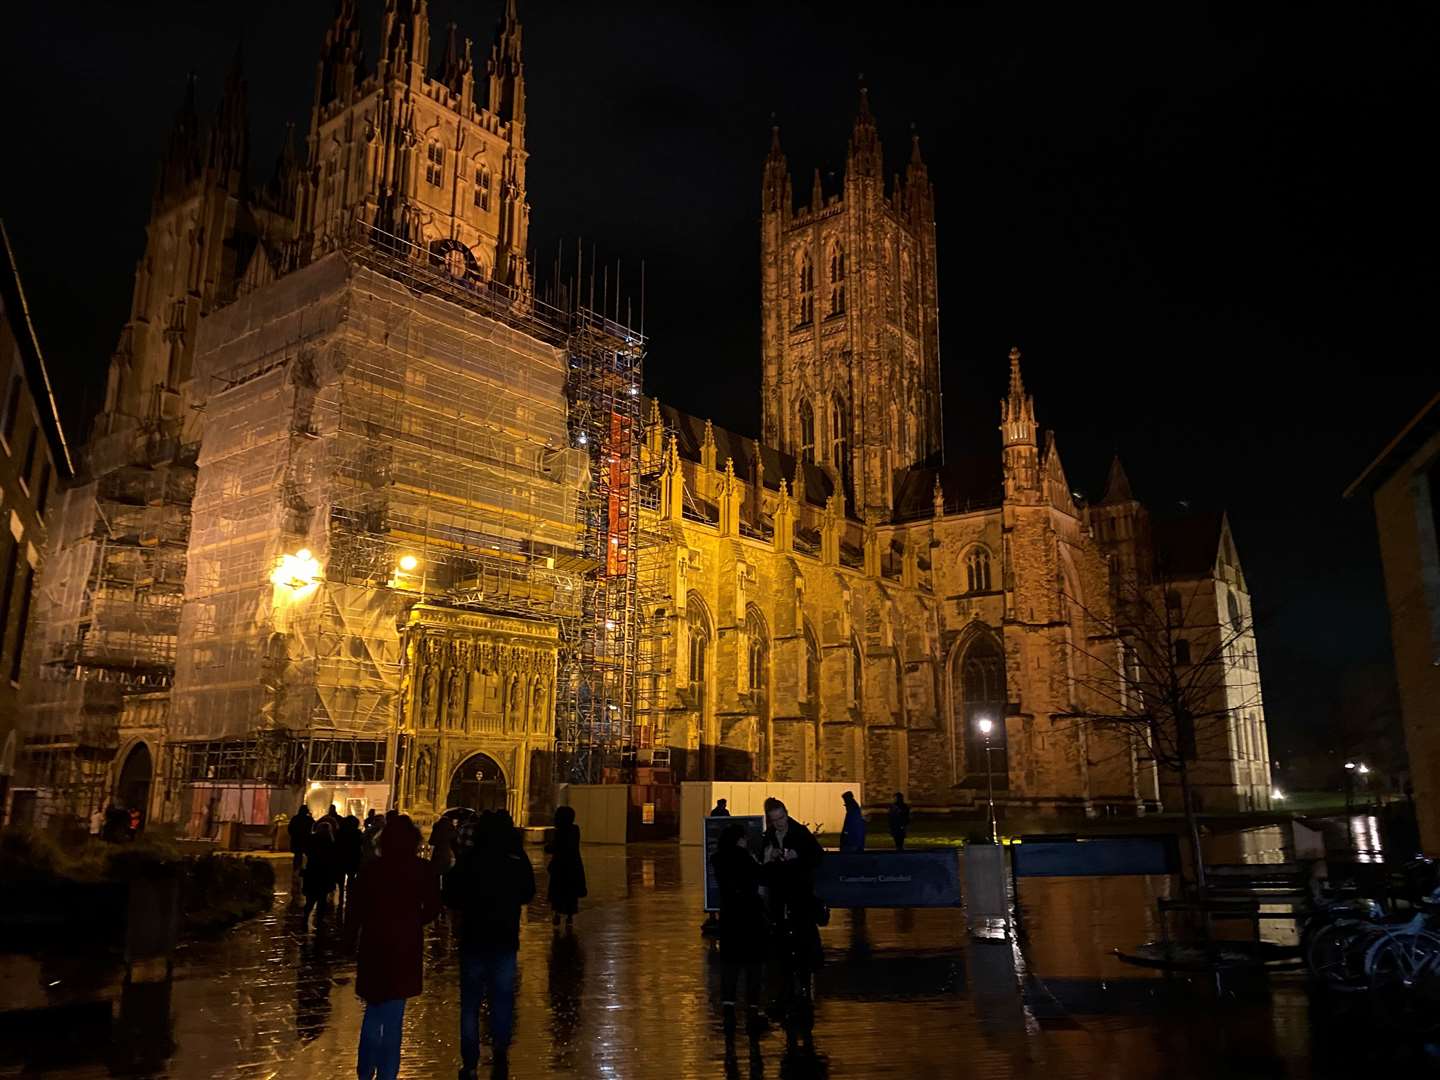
(413, 152)
(850, 320)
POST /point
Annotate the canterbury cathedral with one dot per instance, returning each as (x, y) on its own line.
(323, 542)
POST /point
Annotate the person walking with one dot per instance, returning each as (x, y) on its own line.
(566, 869)
(349, 849)
(899, 820)
(791, 856)
(390, 905)
(852, 833)
(721, 809)
(300, 827)
(744, 932)
(485, 891)
(322, 863)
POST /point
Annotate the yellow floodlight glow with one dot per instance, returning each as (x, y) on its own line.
(408, 563)
(297, 572)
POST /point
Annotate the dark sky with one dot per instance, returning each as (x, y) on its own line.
(1205, 228)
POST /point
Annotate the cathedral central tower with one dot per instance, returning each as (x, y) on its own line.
(849, 319)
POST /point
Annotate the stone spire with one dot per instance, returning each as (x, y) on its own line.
(775, 188)
(405, 38)
(181, 165)
(865, 158)
(458, 71)
(507, 69)
(229, 142)
(817, 193)
(1018, 437)
(1117, 486)
(342, 58)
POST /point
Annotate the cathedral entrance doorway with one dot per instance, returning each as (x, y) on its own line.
(133, 787)
(477, 783)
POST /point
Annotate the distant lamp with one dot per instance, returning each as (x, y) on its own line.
(297, 572)
(1349, 764)
(986, 725)
(1276, 795)
(408, 563)
(1362, 769)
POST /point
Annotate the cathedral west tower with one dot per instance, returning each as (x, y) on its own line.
(850, 319)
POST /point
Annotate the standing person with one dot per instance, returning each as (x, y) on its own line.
(899, 820)
(349, 849)
(744, 933)
(300, 828)
(721, 809)
(791, 855)
(442, 845)
(852, 833)
(485, 891)
(566, 870)
(322, 862)
(390, 905)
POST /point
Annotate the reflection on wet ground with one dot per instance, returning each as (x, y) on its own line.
(634, 994)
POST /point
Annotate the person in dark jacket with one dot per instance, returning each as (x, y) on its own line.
(721, 809)
(442, 845)
(744, 932)
(566, 870)
(299, 829)
(899, 820)
(852, 832)
(485, 891)
(791, 856)
(322, 867)
(391, 902)
(349, 847)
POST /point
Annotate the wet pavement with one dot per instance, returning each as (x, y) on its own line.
(633, 993)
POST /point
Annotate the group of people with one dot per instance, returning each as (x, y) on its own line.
(477, 871)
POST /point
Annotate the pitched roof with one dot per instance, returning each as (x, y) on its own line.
(32, 361)
(1117, 485)
(968, 482)
(1421, 426)
(690, 435)
(1187, 545)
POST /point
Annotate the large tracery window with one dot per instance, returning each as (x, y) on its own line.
(837, 280)
(807, 433)
(805, 290)
(977, 689)
(435, 165)
(758, 652)
(840, 438)
(977, 570)
(482, 187)
(699, 626)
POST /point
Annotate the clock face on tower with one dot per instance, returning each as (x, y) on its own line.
(456, 260)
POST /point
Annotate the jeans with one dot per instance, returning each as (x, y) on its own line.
(487, 971)
(379, 1055)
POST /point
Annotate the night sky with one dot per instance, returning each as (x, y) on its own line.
(1207, 233)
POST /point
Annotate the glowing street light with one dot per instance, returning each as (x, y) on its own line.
(986, 725)
(1349, 764)
(1362, 769)
(1276, 795)
(408, 563)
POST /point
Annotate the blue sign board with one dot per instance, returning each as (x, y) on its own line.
(889, 879)
(1108, 855)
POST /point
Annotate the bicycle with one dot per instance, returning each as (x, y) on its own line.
(1402, 966)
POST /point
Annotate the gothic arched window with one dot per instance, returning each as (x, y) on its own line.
(698, 624)
(482, 187)
(977, 570)
(435, 164)
(857, 674)
(812, 667)
(840, 438)
(804, 290)
(1234, 611)
(758, 652)
(807, 432)
(837, 280)
(977, 689)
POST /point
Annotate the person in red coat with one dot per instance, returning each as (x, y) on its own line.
(395, 897)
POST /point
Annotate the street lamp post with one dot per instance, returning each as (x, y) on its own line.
(985, 725)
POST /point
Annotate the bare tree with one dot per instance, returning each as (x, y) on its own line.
(1161, 667)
